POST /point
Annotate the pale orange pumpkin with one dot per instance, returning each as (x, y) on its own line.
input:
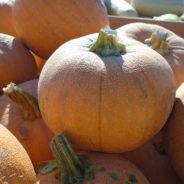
(174, 135)
(16, 166)
(6, 20)
(20, 114)
(164, 41)
(153, 161)
(16, 62)
(93, 168)
(44, 24)
(113, 103)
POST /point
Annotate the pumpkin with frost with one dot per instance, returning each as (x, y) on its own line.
(19, 112)
(16, 166)
(162, 40)
(46, 24)
(93, 168)
(174, 135)
(16, 62)
(106, 92)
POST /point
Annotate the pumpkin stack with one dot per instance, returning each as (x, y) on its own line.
(97, 111)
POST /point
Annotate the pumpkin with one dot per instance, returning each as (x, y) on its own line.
(120, 8)
(153, 161)
(6, 21)
(164, 41)
(158, 7)
(16, 166)
(16, 62)
(102, 90)
(93, 168)
(39, 62)
(45, 25)
(19, 112)
(174, 136)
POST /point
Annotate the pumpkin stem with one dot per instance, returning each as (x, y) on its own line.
(27, 103)
(107, 43)
(158, 42)
(71, 168)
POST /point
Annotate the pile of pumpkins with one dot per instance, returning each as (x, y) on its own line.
(82, 103)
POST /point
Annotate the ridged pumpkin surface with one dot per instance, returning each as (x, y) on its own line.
(6, 21)
(15, 167)
(113, 103)
(174, 133)
(33, 134)
(16, 62)
(175, 44)
(44, 24)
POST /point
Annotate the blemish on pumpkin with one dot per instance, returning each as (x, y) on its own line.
(23, 131)
(4, 154)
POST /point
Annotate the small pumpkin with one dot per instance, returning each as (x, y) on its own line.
(153, 161)
(6, 20)
(16, 166)
(102, 90)
(164, 41)
(19, 112)
(174, 133)
(16, 62)
(93, 168)
(45, 25)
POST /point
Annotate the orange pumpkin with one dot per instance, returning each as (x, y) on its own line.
(39, 62)
(16, 62)
(152, 160)
(93, 168)
(20, 114)
(44, 25)
(16, 166)
(6, 20)
(174, 133)
(113, 103)
(163, 41)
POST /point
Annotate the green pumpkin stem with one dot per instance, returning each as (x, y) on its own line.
(158, 42)
(27, 103)
(70, 168)
(107, 43)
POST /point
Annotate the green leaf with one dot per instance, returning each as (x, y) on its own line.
(49, 167)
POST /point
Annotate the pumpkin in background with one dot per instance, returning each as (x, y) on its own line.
(174, 135)
(16, 62)
(16, 166)
(20, 114)
(152, 160)
(39, 62)
(164, 41)
(6, 21)
(106, 92)
(92, 168)
(44, 25)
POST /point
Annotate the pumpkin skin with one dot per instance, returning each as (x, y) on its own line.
(16, 62)
(33, 134)
(6, 21)
(174, 133)
(153, 163)
(111, 163)
(175, 57)
(16, 166)
(39, 62)
(93, 95)
(56, 22)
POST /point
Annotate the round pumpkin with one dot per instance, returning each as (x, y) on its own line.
(16, 62)
(174, 133)
(153, 161)
(39, 62)
(16, 166)
(6, 20)
(93, 168)
(20, 114)
(106, 92)
(45, 25)
(163, 41)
